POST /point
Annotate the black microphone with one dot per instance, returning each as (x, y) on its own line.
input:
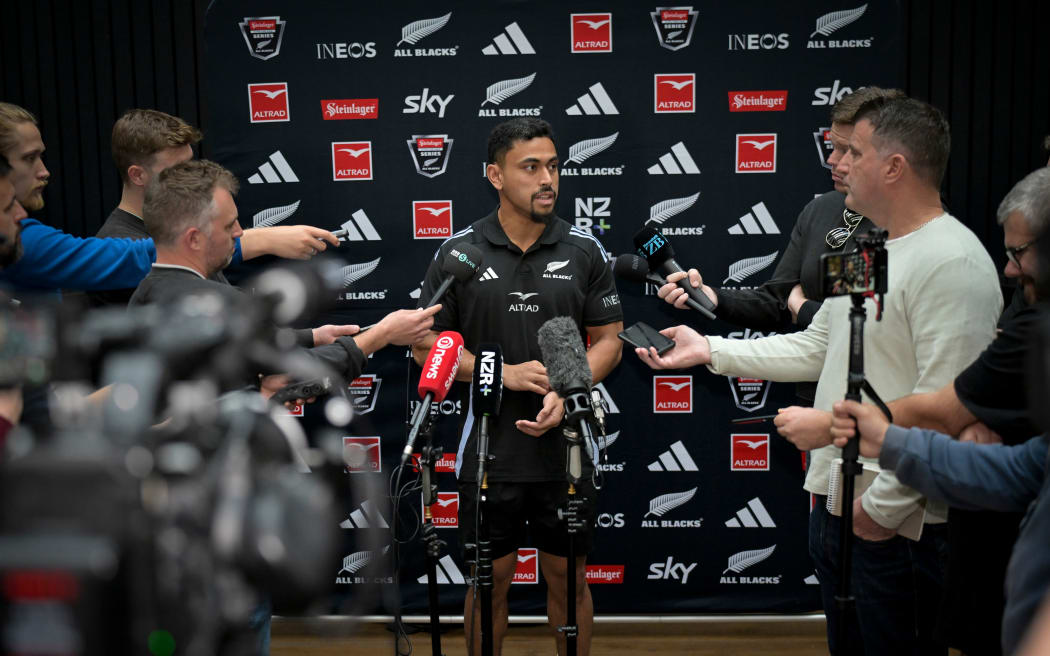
(633, 267)
(460, 265)
(657, 251)
(569, 374)
(486, 392)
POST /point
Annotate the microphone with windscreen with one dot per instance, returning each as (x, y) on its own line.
(486, 392)
(569, 374)
(657, 251)
(439, 372)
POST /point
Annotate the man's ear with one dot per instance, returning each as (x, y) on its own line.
(495, 175)
(193, 239)
(895, 166)
(138, 175)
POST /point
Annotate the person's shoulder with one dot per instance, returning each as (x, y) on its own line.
(468, 235)
(826, 205)
(122, 224)
(582, 239)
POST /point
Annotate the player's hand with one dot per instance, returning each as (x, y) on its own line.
(806, 428)
(979, 433)
(866, 528)
(676, 296)
(550, 415)
(327, 333)
(528, 376)
(848, 416)
(690, 349)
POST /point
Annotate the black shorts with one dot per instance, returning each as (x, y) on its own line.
(514, 509)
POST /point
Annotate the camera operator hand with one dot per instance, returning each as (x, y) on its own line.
(327, 333)
(676, 296)
(806, 428)
(690, 349)
(849, 416)
(401, 327)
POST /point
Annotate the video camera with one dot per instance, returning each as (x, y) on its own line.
(862, 271)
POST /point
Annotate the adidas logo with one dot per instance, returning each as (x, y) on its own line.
(359, 228)
(502, 45)
(488, 275)
(274, 170)
(595, 103)
(674, 459)
(752, 515)
(447, 572)
(676, 162)
(756, 222)
(366, 516)
(273, 215)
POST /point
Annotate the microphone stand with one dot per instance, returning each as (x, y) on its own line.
(855, 382)
(576, 432)
(432, 545)
(483, 567)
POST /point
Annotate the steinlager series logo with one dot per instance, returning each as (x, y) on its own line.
(430, 153)
(263, 35)
(674, 26)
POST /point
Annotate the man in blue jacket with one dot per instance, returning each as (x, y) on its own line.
(54, 260)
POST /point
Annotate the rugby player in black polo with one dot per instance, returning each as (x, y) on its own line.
(535, 267)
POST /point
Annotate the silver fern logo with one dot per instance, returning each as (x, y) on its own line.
(274, 215)
(582, 150)
(834, 21)
(740, 561)
(354, 272)
(420, 29)
(665, 209)
(500, 91)
(665, 503)
(749, 267)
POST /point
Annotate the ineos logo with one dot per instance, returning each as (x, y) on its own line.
(445, 342)
(607, 520)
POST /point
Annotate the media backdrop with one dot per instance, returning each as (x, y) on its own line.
(710, 121)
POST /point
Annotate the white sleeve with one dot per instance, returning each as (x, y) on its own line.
(794, 357)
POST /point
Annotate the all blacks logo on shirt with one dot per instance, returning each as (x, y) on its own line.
(549, 272)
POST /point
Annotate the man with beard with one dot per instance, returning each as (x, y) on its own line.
(54, 260)
(536, 267)
(11, 213)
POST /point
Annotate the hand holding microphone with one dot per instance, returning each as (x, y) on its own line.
(659, 254)
(439, 372)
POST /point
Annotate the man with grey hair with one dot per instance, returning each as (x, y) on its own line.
(190, 212)
(939, 312)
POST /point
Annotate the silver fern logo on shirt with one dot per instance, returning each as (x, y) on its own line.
(665, 503)
(553, 267)
(834, 21)
(500, 91)
(740, 561)
(416, 31)
(582, 151)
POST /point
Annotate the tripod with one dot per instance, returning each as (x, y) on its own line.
(483, 567)
(855, 382)
(577, 413)
(432, 544)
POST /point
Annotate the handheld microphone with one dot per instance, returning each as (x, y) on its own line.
(460, 265)
(486, 392)
(632, 267)
(657, 251)
(569, 374)
(439, 372)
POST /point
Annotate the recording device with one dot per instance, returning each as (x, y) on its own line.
(439, 372)
(569, 374)
(642, 335)
(862, 271)
(632, 267)
(658, 252)
(486, 393)
(303, 390)
(340, 234)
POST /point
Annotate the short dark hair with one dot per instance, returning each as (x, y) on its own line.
(5, 167)
(917, 128)
(140, 134)
(845, 110)
(181, 197)
(503, 136)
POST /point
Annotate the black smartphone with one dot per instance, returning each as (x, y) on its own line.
(642, 335)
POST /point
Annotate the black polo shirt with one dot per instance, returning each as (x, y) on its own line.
(565, 273)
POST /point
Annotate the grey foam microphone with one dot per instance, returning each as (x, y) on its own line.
(570, 376)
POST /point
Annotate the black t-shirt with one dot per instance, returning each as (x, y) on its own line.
(565, 273)
(126, 225)
(993, 387)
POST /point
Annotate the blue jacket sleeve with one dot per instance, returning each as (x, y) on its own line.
(53, 259)
(963, 474)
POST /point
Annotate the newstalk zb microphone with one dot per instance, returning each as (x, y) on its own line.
(657, 251)
(486, 392)
(439, 372)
